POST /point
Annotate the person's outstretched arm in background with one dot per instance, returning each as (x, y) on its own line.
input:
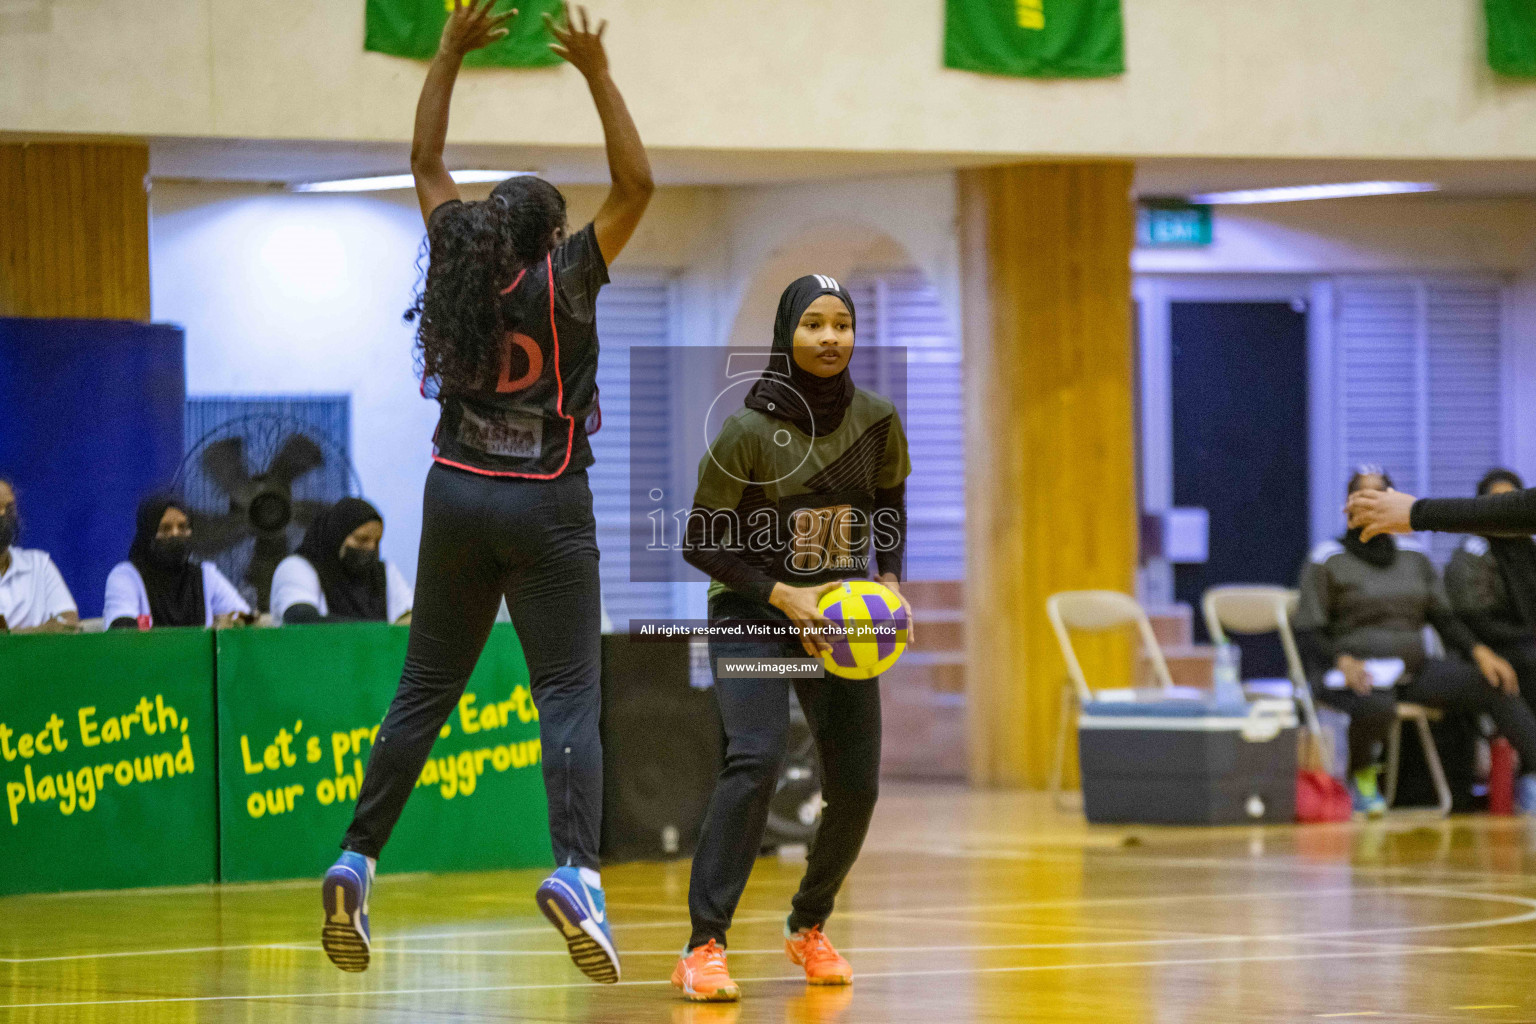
(1395, 512)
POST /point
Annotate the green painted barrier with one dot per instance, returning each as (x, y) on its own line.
(298, 707)
(107, 761)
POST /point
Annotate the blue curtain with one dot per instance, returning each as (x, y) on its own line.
(90, 421)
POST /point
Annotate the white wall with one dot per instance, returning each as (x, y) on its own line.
(1238, 78)
(287, 293)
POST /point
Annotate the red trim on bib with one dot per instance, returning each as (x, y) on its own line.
(570, 421)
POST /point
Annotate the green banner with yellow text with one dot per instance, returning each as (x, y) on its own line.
(107, 760)
(412, 28)
(1035, 38)
(298, 710)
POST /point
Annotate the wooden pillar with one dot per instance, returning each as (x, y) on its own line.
(1050, 442)
(74, 230)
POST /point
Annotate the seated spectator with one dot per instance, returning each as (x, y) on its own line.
(1365, 600)
(337, 574)
(33, 597)
(1491, 582)
(160, 585)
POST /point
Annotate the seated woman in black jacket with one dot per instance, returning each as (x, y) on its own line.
(1491, 582)
(1363, 600)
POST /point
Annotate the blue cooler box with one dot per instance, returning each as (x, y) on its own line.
(1184, 762)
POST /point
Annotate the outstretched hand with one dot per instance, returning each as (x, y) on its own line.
(578, 42)
(471, 25)
(1377, 512)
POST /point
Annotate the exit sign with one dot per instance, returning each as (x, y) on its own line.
(1173, 223)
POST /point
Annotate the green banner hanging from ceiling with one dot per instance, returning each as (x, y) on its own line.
(411, 28)
(1512, 37)
(1035, 38)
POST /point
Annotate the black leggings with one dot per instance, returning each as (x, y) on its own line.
(844, 717)
(534, 542)
(1523, 657)
(1449, 684)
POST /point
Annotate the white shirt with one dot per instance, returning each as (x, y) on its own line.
(32, 591)
(127, 598)
(296, 582)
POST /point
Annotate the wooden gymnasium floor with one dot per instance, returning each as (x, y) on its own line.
(966, 907)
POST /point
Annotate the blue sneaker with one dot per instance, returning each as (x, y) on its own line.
(1525, 793)
(577, 910)
(344, 898)
(1365, 795)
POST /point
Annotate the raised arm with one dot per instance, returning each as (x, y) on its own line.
(628, 168)
(470, 26)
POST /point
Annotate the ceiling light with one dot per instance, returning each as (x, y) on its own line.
(1297, 193)
(383, 182)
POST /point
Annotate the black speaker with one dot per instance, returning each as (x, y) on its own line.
(662, 749)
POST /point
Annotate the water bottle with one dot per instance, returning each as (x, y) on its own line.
(1228, 675)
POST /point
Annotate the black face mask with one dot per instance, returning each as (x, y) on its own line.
(170, 552)
(1380, 550)
(358, 562)
(10, 525)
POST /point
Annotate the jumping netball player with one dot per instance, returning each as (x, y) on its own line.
(508, 347)
(824, 464)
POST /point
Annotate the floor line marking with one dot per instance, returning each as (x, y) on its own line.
(386, 945)
(1279, 862)
(1529, 915)
(863, 975)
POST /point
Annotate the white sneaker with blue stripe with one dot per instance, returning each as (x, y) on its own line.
(574, 904)
(344, 898)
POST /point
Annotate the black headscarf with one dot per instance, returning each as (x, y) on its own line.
(827, 397)
(1515, 556)
(347, 596)
(175, 590)
(1380, 550)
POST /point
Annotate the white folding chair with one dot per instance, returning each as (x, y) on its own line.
(1093, 611)
(1252, 610)
(1420, 716)
(1259, 609)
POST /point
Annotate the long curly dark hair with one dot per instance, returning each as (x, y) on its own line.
(473, 251)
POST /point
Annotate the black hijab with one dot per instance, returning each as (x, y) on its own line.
(828, 398)
(1515, 556)
(347, 596)
(1380, 550)
(175, 590)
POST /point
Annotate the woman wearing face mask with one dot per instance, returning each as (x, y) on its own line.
(1371, 600)
(815, 467)
(33, 597)
(160, 585)
(337, 574)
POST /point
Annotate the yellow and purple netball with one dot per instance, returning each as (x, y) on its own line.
(872, 631)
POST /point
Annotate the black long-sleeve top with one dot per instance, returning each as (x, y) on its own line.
(1480, 595)
(1511, 513)
(772, 509)
(1349, 606)
(720, 563)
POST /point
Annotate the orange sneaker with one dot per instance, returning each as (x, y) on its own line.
(703, 978)
(823, 964)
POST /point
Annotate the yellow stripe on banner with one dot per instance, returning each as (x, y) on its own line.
(1031, 14)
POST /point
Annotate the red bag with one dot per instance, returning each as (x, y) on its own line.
(1321, 797)
(1501, 777)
